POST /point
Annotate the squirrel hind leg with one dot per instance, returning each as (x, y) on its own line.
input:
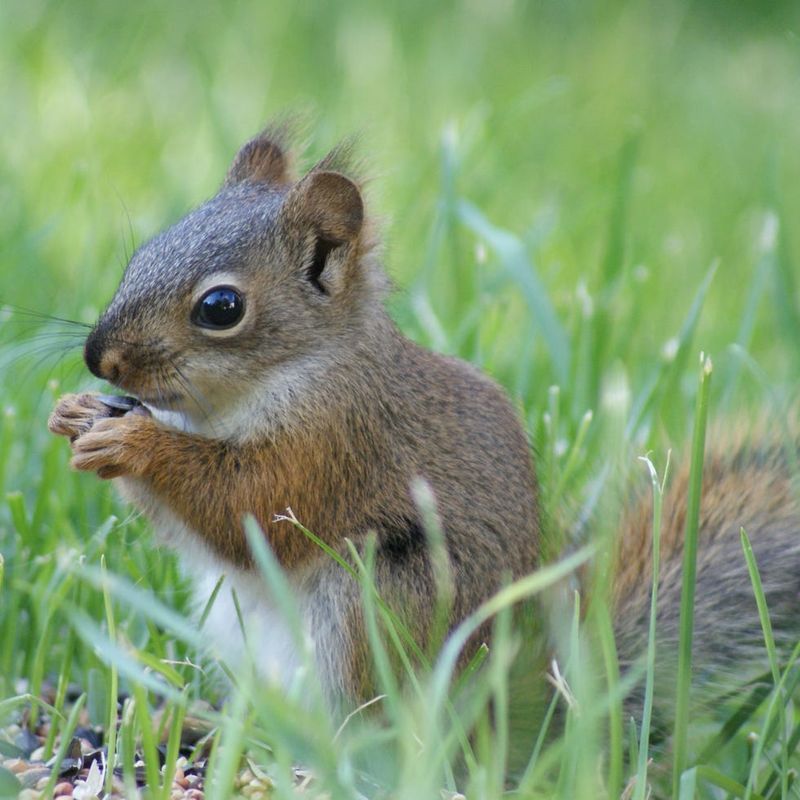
(334, 612)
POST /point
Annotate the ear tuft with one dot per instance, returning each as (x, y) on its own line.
(330, 202)
(262, 160)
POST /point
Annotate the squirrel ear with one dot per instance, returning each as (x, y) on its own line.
(330, 202)
(262, 160)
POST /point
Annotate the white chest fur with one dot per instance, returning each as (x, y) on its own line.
(275, 648)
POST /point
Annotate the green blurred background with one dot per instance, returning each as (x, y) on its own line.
(625, 146)
(554, 181)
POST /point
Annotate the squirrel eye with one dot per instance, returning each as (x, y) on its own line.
(219, 308)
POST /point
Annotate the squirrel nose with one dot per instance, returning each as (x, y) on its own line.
(100, 362)
(92, 353)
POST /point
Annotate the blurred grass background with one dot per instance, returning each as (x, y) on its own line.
(119, 118)
(555, 180)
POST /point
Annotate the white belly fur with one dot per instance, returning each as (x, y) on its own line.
(274, 647)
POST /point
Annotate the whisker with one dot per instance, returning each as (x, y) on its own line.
(129, 245)
(15, 354)
(26, 373)
(191, 390)
(29, 312)
(54, 336)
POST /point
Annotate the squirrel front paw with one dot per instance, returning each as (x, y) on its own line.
(116, 446)
(76, 414)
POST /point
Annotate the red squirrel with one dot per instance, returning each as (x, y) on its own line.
(270, 376)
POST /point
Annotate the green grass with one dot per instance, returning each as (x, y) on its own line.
(574, 195)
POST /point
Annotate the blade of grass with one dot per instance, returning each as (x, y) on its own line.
(66, 739)
(777, 771)
(616, 755)
(612, 266)
(210, 602)
(126, 664)
(515, 261)
(520, 590)
(228, 754)
(113, 691)
(148, 739)
(772, 655)
(681, 727)
(734, 723)
(716, 778)
(497, 679)
(386, 674)
(787, 314)
(128, 746)
(664, 383)
(568, 775)
(644, 740)
(423, 497)
(767, 246)
(529, 776)
(11, 704)
(397, 624)
(61, 692)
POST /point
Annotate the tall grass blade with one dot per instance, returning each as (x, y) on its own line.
(228, 754)
(787, 313)
(113, 691)
(616, 754)
(767, 246)
(684, 682)
(126, 664)
(664, 385)
(144, 724)
(764, 737)
(647, 711)
(600, 338)
(772, 654)
(515, 261)
(514, 593)
(66, 738)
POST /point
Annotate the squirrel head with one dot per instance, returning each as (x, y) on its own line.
(261, 283)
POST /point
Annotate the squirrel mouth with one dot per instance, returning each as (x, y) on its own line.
(161, 401)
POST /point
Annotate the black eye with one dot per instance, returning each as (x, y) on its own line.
(219, 308)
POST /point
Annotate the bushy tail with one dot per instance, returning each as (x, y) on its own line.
(748, 487)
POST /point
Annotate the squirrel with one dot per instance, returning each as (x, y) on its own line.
(253, 333)
(270, 376)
